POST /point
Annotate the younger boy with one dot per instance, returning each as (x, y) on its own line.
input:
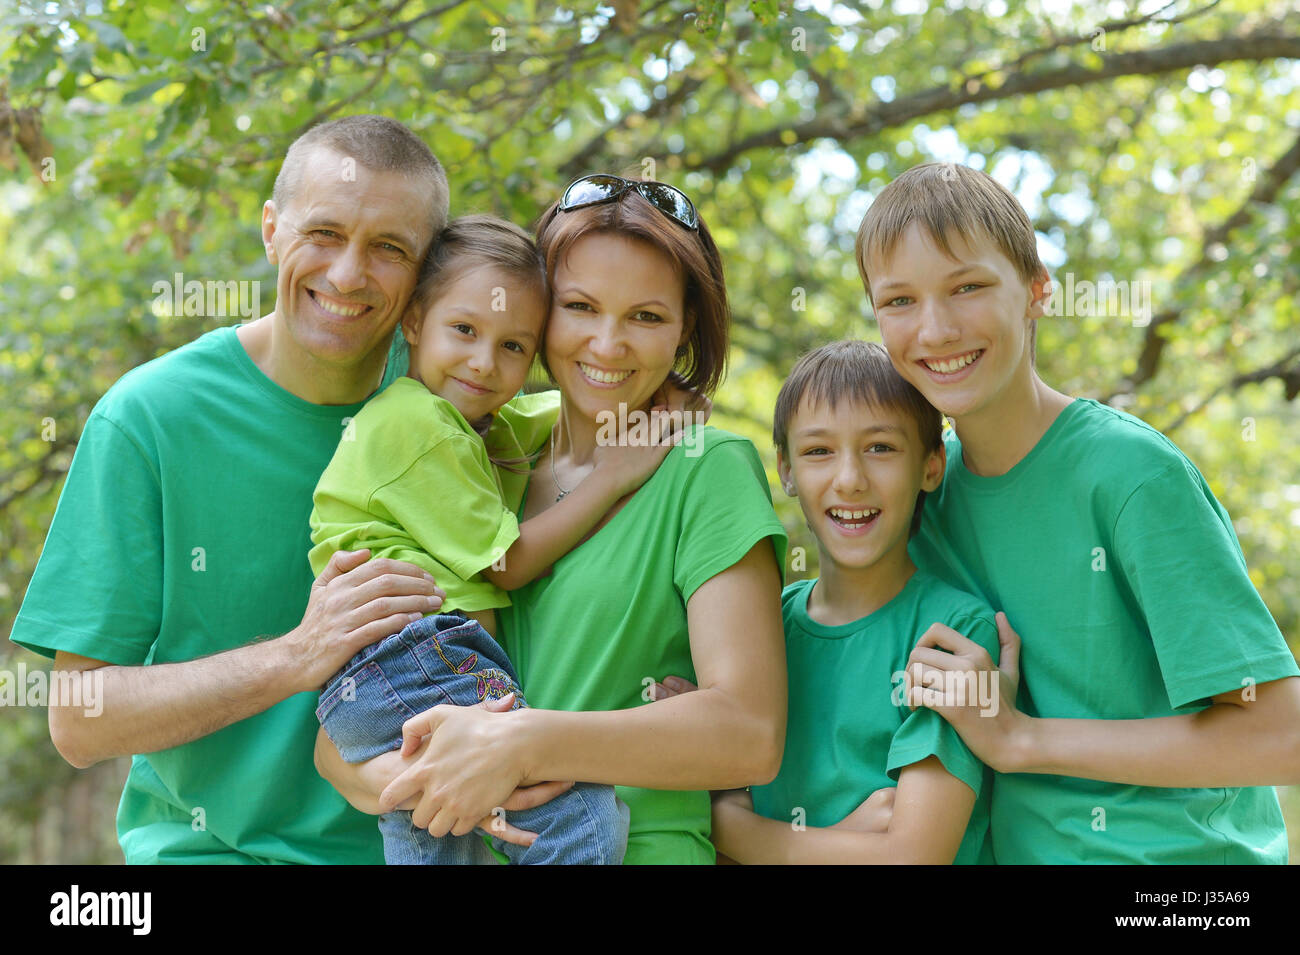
(860, 447)
(1158, 699)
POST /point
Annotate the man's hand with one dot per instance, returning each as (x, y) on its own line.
(952, 684)
(356, 602)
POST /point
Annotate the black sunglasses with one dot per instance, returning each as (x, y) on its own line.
(602, 187)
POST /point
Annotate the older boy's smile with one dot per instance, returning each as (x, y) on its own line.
(950, 368)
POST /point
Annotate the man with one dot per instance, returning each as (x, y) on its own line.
(175, 573)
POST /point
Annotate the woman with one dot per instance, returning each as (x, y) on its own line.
(681, 577)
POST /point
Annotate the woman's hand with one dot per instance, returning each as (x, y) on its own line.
(965, 687)
(465, 764)
(670, 687)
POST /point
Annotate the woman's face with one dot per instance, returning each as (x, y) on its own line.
(617, 319)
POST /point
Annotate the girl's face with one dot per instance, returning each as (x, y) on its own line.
(473, 346)
(617, 320)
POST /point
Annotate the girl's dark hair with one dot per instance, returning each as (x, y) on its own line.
(860, 372)
(702, 361)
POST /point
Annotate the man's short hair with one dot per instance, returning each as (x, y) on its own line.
(861, 372)
(379, 144)
(949, 199)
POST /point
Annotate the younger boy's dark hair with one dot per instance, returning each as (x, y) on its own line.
(856, 371)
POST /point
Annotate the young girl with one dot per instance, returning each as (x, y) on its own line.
(428, 473)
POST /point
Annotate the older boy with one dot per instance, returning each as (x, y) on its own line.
(1159, 700)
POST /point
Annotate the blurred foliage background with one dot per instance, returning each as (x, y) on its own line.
(1152, 142)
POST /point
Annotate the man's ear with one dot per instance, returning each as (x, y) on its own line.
(268, 230)
(1040, 292)
(783, 470)
(935, 464)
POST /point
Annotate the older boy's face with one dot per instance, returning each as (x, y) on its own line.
(857, 470)
(348, 248)
(956, 326)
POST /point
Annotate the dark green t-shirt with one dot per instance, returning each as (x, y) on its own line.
(1125, 580)
(182, 532)
(850, 731)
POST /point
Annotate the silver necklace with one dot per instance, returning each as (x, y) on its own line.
(559, 497)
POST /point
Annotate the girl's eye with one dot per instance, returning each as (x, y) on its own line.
(516, 347)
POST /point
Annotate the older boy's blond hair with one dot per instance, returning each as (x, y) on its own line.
(949, 199)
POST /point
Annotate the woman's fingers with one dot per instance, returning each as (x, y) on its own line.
(497, 825)
(530, 797)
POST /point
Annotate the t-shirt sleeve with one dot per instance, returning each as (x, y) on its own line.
(1179, 555)
(925, 733)
(726, 509)
(97, 588)
(448, 502)
(530, 419)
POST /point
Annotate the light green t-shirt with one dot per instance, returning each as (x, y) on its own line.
(850, 731)
(1125, 580)
(411, 480)
(180, 533)
(612, 612)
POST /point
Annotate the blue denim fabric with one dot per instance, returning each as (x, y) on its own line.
(449, 659)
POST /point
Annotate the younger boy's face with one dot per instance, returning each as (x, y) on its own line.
(857, 470)
(475, 343)
(956, 326)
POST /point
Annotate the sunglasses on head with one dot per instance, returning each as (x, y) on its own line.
(602, 187)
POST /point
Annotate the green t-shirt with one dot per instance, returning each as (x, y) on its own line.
(1125, 580)
(180, 533)
(411, 480)
(612, 612)
(850, 731)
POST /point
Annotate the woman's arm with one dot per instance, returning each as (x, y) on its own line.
(1248, 737)
(931, 811)
(727, 734)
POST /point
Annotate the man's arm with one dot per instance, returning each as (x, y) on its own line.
(1245, 737)
(353, 603)
(931, 811)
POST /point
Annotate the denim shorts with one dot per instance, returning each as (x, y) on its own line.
(448, 658)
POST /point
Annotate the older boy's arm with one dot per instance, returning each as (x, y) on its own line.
(931, 811)
(1248, 737)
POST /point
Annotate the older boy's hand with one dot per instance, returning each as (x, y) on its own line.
(964, 687)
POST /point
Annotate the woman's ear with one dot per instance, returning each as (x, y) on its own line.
(935, 464)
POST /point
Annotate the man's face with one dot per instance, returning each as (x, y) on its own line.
(348, 248)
